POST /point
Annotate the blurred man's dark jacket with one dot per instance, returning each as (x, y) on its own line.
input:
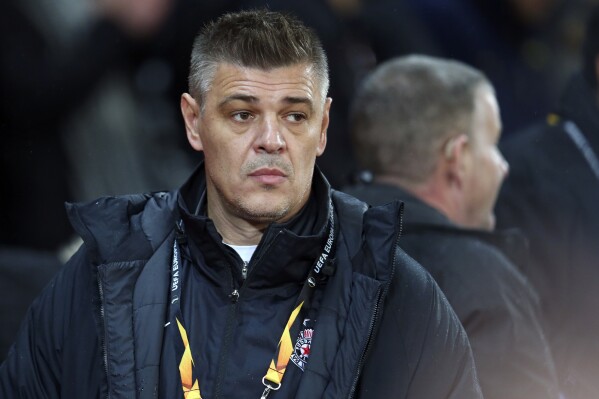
(492, 299)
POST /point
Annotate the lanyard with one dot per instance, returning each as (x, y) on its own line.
(274, 375)
(189, 379)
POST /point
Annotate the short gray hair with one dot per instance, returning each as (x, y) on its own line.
(258, 39)
(407, 108)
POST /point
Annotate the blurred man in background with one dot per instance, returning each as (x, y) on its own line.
(428, 129)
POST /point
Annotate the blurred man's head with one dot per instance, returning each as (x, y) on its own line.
(258, 111)
(432, 126)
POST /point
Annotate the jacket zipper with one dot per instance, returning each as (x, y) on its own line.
(235, 294)
(244, 270)
(245, 267)
(375, 316)
(244, 273)
(366, 349)
(103, 337)
(227, 337)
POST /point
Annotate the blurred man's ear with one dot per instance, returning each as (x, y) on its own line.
(454, 146)
(190, 109)
(455, 156)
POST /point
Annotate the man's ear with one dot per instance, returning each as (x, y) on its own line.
(322, 142)
(455, 156)
(190, 109)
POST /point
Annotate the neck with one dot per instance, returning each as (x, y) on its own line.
(236, 230)
(428, 191)
(392, 180)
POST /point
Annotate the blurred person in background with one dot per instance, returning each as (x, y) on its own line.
(88, 94)
(50, 66)
(46, 73)
(552, 194)
(427, 129)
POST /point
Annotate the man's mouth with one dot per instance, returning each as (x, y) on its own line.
(268, 176)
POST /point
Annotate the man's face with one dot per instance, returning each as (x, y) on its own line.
(486, 167)
(260, 131)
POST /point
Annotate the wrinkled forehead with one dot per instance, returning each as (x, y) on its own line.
(297, 81)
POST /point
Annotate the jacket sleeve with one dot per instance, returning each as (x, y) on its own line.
(34, 366)
(421, 349)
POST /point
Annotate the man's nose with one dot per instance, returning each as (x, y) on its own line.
(270, 138)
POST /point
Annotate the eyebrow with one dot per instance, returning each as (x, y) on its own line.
(252, 99)
(241, 97)
(299, 100)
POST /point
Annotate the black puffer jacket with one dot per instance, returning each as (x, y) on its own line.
(383, 327)
(494, 301)
(552, 194)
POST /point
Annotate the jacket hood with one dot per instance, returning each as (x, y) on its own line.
(137, 223)
(416, 211)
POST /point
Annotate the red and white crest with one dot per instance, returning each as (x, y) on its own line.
(301, 351)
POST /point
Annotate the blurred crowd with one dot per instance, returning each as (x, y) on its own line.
(89, 106)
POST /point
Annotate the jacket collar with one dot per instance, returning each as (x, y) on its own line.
(420, 217)
(416, 211)
(298, 241)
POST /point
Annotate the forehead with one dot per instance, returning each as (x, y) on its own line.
(273, 84)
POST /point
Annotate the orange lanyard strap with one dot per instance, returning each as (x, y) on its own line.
(191, 386)
(274, 374)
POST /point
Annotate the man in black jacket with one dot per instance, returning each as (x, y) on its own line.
(552, 194)
(255, 278)
(428, 129)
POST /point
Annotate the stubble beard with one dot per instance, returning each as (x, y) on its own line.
(259, 216)
(278, 212)
(261, 213)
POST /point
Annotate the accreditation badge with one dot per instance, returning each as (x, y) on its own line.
(301, 351)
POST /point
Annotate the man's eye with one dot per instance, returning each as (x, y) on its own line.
(242, 116)
(295, 117)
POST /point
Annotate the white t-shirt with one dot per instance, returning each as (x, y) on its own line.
(245, 252)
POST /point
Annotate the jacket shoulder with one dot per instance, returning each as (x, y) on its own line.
(125, 227)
